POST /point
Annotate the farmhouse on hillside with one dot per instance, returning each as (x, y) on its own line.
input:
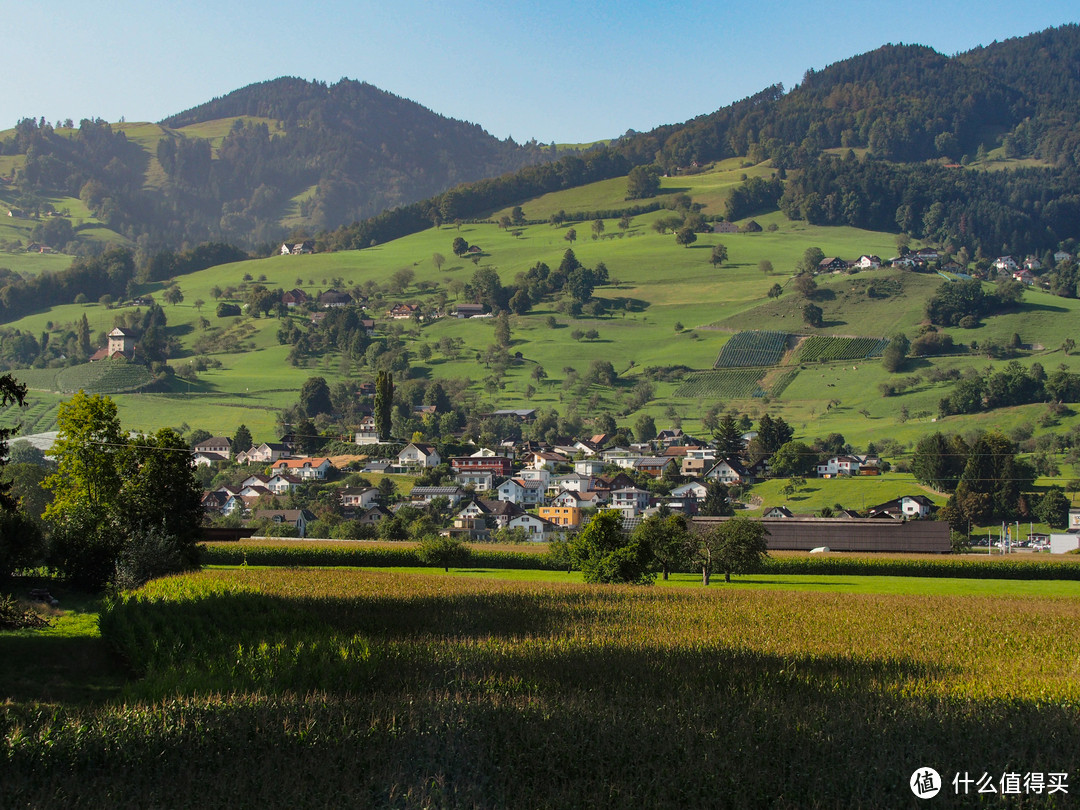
(121, 346)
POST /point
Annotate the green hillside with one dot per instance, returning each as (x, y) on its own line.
(681, 311)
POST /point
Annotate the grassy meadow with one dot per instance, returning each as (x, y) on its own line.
(405, 689)
(682, 312)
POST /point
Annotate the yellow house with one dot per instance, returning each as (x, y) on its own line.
(567, 516)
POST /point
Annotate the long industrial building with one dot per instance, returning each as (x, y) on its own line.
(850, 534)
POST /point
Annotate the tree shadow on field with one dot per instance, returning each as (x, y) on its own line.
(513, 699)
(770, 582)
(1032, 307)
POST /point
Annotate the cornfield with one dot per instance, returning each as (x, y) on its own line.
(353, 688)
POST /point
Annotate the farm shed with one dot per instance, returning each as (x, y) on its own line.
(850, 534)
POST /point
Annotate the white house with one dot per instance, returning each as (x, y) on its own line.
(265, 453)
(545, 461)
(497, 513)
(589, 466)
(839, 465)
(359, 497)
(367, 432)
(297, 518)
(219, 445)
(728, 471)
(568, 498)
(907, 506)
(307, 469)
(426, 495)
(694, 489)
(575, 482)
(521, 492)
(868, 262)
(419, 455)
(631, 500)
(282, 484)
(1005, 264)
(535, 527)
(542, 476)
(479, 480)
(201, 459)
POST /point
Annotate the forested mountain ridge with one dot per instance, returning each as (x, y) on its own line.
(339, 153)
(915, 115)
(363, 166)
(903, 103)
(362, 148)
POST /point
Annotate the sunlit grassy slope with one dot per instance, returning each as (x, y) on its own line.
(670, 286)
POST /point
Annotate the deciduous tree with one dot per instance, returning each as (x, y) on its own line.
(604, 553)
(736, 546)
(667, 538)
(719, 254)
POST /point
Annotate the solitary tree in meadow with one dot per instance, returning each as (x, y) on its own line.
(719, 254)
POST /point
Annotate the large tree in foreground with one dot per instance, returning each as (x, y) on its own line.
(667, 537)
(736, 546)
(124, 510)
(20, 538)
(604, 553)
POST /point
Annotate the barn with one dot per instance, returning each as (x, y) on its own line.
(849, 534)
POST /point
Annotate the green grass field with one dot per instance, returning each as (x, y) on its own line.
(382, 688)
(673, 286)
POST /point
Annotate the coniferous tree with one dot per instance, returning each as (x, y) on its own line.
(728, 438)
(242, 441)
(384, 403)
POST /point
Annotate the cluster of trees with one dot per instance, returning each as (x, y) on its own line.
(1012, 385)
(963, 303)
(112, 273)
(121, 508)
(166, 263)
(342, 331)
(988, 213)
(664, 542)
(987, 480)
(570, 279)
(757, 195)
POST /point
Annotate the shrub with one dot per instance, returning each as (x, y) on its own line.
(444, 551)
(146, 557)
(228, 310)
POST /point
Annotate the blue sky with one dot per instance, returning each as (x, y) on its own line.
(557, 71)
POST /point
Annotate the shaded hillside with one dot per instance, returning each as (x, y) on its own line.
(362, 149)
(347, 151)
